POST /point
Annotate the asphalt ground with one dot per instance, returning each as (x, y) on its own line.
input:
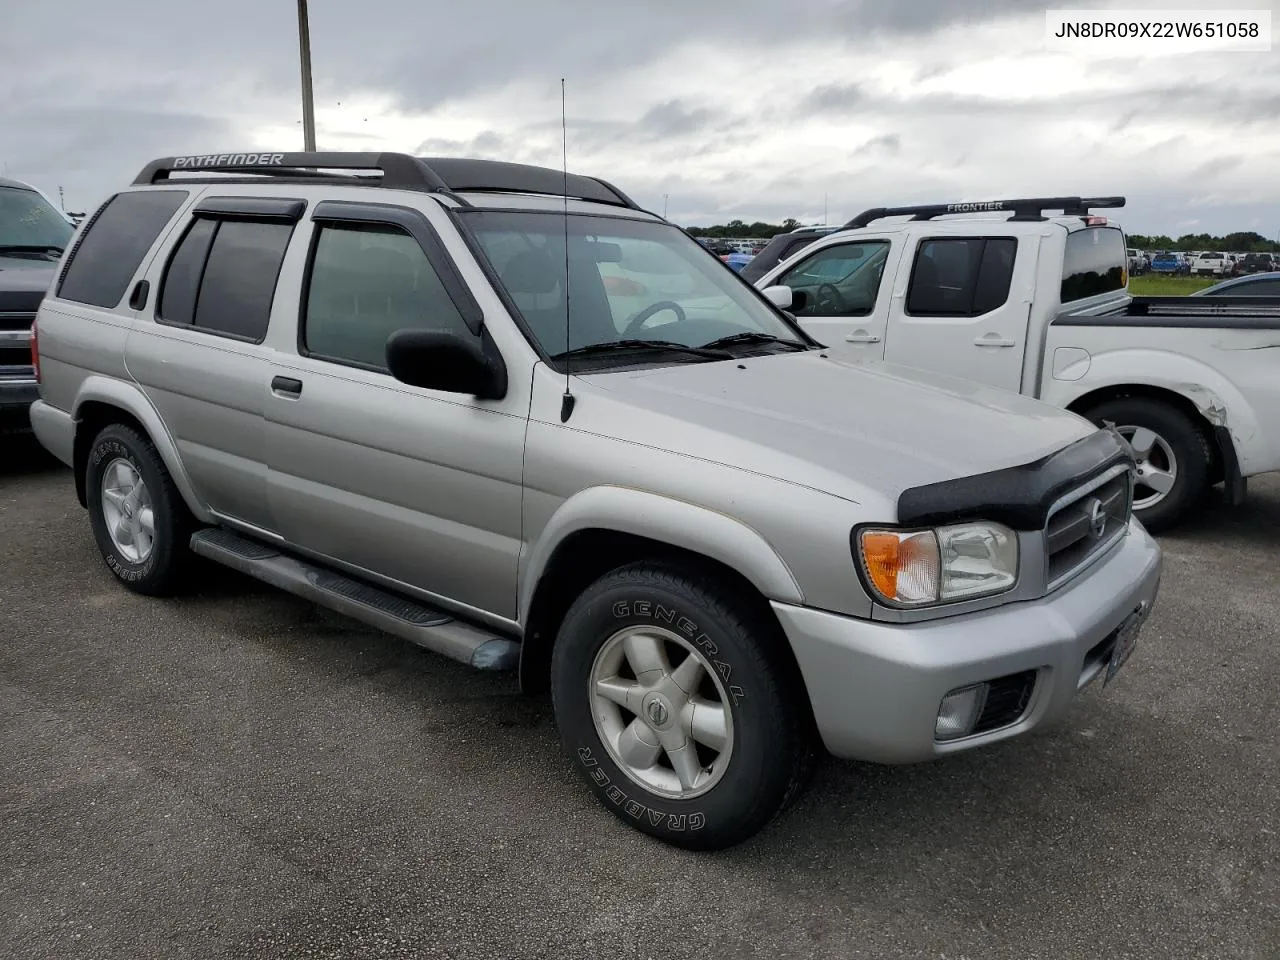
(240, 774)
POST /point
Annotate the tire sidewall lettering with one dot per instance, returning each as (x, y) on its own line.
(672, 618)
(103, 451)
(633, 808)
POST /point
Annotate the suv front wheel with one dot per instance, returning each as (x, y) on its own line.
(680, 706)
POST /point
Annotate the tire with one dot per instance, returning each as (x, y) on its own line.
(1177, 438)
(768, 751)
(153, 564)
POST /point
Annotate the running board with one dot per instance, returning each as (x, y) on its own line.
(408, 619)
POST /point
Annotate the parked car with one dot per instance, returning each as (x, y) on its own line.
(1253, 285)
(1040, 306)
(781, 247)
(33, 234)
(717, 543)
(1257, 263)
(1212, 263)
(1171, 262)
(1139, 262)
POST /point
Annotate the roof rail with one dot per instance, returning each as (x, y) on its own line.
(1031, 208)
(399, 171)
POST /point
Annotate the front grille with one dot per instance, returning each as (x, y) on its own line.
(10, 320)
(1088, 522)
(15, 360)
(1007, 699)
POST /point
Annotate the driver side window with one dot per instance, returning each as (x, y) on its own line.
(842, 280)
(366, 282)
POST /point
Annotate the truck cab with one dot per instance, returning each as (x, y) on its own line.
(1038, 304)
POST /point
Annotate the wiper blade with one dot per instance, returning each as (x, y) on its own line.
(638, 345)
(30, 248)
(753, 336)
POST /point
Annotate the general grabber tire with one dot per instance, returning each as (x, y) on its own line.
(138, 517)
(1174, 457)
(680, 705)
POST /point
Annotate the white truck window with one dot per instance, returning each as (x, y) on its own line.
(961, 276)
(1094, 263)
(839, 281)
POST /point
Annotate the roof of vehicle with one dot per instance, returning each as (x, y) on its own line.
(450, 177)
(17, 185)
(1236, 282)
(1024, 213)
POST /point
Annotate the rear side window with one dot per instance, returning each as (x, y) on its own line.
(222, 277)
(112, 247)
(961, 277)
(1094, 263)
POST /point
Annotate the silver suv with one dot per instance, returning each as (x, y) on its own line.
(502, 412)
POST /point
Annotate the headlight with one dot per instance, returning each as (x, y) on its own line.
(912, 568)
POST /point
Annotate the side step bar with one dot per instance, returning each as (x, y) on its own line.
(416, 622)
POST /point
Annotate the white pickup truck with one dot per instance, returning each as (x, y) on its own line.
(1039, 305)
(1211, 263)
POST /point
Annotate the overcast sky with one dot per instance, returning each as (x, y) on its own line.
(755, 109)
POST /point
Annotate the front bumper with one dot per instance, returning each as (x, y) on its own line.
(876, 687)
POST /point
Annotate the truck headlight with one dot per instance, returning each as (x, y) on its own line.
(913, 568)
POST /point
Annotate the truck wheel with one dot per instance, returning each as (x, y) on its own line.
(1174, 457)
(680, 707)
(137, 515)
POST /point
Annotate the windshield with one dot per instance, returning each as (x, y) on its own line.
(27, 219)
(628, 279)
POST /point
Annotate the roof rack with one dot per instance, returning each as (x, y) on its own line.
(1031, 208)
(399, 171)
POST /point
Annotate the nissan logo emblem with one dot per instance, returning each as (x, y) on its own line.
(1097, 519)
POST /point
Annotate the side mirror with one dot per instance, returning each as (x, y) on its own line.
(780, 296)
(441, 360)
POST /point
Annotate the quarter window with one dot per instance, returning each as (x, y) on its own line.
(112, 247)
(222, 277)
(366, 282)
(961, 277)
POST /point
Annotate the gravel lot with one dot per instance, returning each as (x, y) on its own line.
(239, 774)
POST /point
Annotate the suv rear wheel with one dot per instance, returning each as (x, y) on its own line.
(136, 512)
(679, 708)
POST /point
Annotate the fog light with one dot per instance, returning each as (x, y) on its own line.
(959, 712)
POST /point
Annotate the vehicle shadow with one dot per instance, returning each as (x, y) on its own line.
(1213, 520)
(22, 456)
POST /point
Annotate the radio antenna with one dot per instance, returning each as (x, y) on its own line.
(567, 401)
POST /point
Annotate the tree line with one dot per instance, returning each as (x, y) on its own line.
(1239, 242)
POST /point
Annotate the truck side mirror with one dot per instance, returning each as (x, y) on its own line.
(782, 297)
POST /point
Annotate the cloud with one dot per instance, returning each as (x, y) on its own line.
(764, 110)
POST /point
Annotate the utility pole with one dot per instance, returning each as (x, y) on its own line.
(665, 198)
(308, 102)
(62, 203)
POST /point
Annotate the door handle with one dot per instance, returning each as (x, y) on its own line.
(862, 338)
(287, 385)
(991, 340)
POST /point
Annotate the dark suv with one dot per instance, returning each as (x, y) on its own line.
(780, 247)
(33, 235)
(1257, 263)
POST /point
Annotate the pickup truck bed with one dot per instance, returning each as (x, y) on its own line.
(1217, 359)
